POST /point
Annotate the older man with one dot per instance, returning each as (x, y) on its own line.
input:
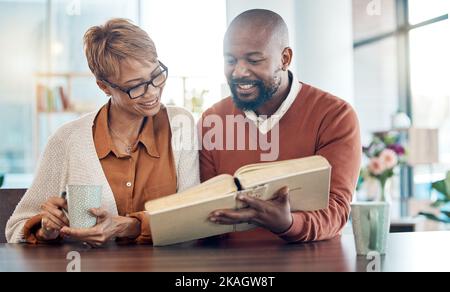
(298, 119)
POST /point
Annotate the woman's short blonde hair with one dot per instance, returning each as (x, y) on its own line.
(107, 45)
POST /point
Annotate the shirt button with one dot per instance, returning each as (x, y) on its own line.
(129, 184)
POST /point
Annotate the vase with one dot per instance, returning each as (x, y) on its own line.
(376, 190)
(385, 192)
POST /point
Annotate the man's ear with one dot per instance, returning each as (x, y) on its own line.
(287, 58)
(104, 88)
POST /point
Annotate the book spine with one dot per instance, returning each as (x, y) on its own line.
(64, 99)
(50, 102)
(41, 98)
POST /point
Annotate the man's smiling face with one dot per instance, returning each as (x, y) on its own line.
(252, 66)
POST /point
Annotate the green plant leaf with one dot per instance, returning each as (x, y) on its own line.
(360, 182)
(441, 187)
(446, 209)
(447, 186)
(441, 218)
(390, 139)
(2, 179)
(439, 203)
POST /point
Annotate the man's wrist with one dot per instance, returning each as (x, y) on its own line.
(284, 229)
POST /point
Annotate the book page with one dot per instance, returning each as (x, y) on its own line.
(258, 166)
(213, 189)
(257, 174)
(308, 180)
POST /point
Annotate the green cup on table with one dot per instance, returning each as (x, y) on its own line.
(80, 199)
(371, 224)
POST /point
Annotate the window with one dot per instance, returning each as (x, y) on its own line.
(45, 37)
(420, 11)
(189, 37)
(430, 94)
(430, 87)
(366, 26)
(402, 61)
(23, 22)
(47, 52)
(376, 86)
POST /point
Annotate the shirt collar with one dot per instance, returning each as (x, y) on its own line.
(147, 137)
(266, 125)
(103, 140)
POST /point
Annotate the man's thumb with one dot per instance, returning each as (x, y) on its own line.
(283, 194)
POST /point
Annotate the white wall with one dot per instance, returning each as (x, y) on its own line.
(325, 45)
(321, 37)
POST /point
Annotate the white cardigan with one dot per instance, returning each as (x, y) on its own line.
(71, 158)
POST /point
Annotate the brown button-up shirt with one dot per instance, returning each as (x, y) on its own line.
(145, 174)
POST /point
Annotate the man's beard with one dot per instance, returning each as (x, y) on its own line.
(265, 93)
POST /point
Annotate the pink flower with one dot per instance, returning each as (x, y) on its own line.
(376, 166)
(389, 158)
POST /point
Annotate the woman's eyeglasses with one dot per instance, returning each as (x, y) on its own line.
(141, 89)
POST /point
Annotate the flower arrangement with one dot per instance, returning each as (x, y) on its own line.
(384, 154)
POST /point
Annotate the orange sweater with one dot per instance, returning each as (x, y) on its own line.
(316, 124)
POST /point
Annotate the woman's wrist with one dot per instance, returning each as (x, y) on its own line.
(128, 227)
(42, 235)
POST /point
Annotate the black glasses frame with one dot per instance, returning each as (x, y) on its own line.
(147, 83)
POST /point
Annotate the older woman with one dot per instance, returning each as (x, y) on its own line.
(126, 147)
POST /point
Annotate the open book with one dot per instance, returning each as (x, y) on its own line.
(184, 216)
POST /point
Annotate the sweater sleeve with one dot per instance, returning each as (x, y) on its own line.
(48, 182)
(30, 229)
(339, 142)
(188, 168)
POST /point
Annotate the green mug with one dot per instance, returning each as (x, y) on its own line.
(371, 224)
(80, 199)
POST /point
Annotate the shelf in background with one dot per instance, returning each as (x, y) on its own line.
(55, 104)
(18, 181)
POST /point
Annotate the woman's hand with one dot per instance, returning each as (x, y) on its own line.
(107, 227)
(53, 219)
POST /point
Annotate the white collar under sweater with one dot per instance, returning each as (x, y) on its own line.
(266, 125)
(71, 158)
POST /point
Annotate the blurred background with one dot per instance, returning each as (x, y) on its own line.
(389, 58)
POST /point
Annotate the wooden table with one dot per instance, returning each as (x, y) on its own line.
(257, 253)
